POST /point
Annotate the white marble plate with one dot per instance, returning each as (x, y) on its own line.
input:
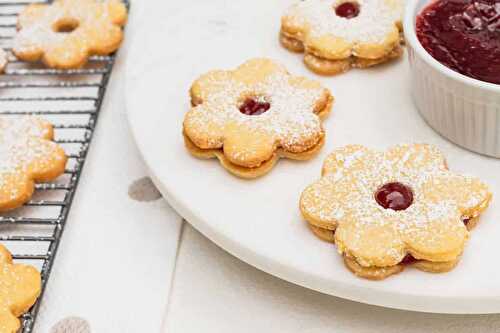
(259, 221)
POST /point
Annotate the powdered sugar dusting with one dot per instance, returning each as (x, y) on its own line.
(345, 195)
(20, 145)
(38, 23)
(374, 22)
(291, 120)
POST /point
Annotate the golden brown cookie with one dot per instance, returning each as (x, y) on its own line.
(380, 273)
(20, 287)
(250, 117)
(387, 210)
(65, 33)
(337, 35)
(27, 156)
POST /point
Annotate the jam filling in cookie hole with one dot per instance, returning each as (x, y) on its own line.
(252, 106)
(395, 196)
(66, 25)
(347, 9)
(408, 260)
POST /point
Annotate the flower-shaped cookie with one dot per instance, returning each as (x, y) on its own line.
(339, 34)
(388, 209)
(26, 155)
(65, 33)
(20, 287)
(250, 117)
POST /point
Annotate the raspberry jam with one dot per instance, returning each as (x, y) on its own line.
(466, 221)
(408, 260)
(463, 35)
(395, 196)
(251, 107)
(347, 10)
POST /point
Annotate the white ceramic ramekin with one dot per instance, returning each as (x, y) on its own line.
(464, 110)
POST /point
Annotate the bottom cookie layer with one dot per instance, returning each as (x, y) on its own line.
(325, 66)
(322, 233)
(250, 173)
(291, 44)
(331, 67)
(380, 273)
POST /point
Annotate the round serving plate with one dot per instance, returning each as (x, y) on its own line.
(259, 221)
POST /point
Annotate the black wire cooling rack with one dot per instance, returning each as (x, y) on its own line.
(71, 100)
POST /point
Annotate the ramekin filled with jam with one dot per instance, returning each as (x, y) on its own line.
(454, 50)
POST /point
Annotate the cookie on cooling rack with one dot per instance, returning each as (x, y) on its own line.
(65, 33)
(337, 35)
(27, 155)
(250, 117)
(20, 287)
(387, 210)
